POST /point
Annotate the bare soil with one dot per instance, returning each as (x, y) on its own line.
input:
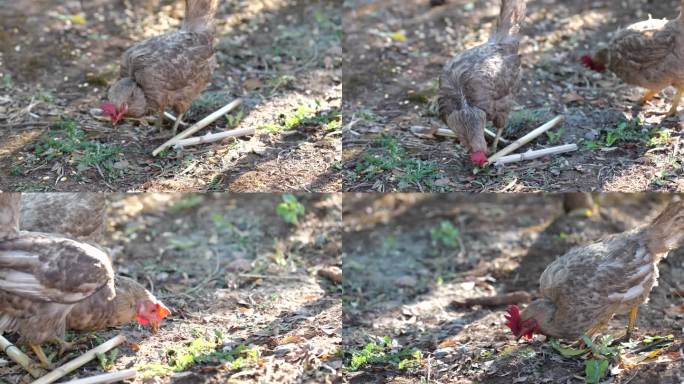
(281, 57)
(193, 252)
(400, 284)
(394, 53)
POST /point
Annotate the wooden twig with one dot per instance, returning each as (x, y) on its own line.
(76, 363)
(529, 155)
(493, 301)
(269, 277)
(212, 137)
(199, 125)
(173, 118)
(19, 357)
(111, 377)
(526, 139)
(446, 132)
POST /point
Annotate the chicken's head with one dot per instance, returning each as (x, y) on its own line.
(598, 62)
(469, 124)
(115, 113)
(520, 328)
(125, 98)
(151, 312)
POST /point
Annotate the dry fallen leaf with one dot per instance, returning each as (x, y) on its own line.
(448, 343)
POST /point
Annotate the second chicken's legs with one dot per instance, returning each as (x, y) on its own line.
(675, 102)
(44, 360)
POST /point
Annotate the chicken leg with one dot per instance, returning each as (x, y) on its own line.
(675, 102)
(160, 120)
(44, 360)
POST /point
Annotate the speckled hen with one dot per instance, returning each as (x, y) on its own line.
(583, 289)
(169, 70)
(649, 54)
(478, 84)
(80, 216)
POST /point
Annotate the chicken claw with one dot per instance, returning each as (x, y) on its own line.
(44, 360)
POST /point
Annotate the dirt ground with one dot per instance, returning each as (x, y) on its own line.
(394, 53)
(399, 284)
(203, 256)
(57, 58)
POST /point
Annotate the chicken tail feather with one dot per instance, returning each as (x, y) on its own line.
(199, 15)
(511, 16)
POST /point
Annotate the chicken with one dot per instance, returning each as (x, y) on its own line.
(647, 54)
(478, 84)
(583, 289)
(9, 214)
(170, 70)
(79, 216)
(49, 283)
(41, 278)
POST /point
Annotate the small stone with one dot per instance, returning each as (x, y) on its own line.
(443, 352)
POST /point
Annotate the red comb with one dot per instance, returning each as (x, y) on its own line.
(513, 319)
(589, 62)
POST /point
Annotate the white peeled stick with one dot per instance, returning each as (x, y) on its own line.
(529, 155)
(526, 139)
(198, 125)
(211, 137)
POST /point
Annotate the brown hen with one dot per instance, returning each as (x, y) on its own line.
(170, 70)
(79, 216)
(583, 289)
(478, 84)
(649, 54)
(9, 214)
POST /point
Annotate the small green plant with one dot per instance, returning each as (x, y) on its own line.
(290, 209)
(186, 202)
(624, 131)
(66, 138)
(388, 157)
(107, 362)
(383, 352)
(446, 234)
(661, 137)
(234, 120)
(202, 351)
(554, 137)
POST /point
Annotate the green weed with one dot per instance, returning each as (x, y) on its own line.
(388, 157)
(446, 234)
(67, 139)
(383, 352)
(624, 131)
(186, 202)
(202, 351)
(290, 209)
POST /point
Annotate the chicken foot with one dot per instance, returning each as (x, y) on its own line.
(44, 360)
(675, 102)
(631, 324)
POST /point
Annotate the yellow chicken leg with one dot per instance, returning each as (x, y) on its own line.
(675, 102)
(45, 362)
(632, 322)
